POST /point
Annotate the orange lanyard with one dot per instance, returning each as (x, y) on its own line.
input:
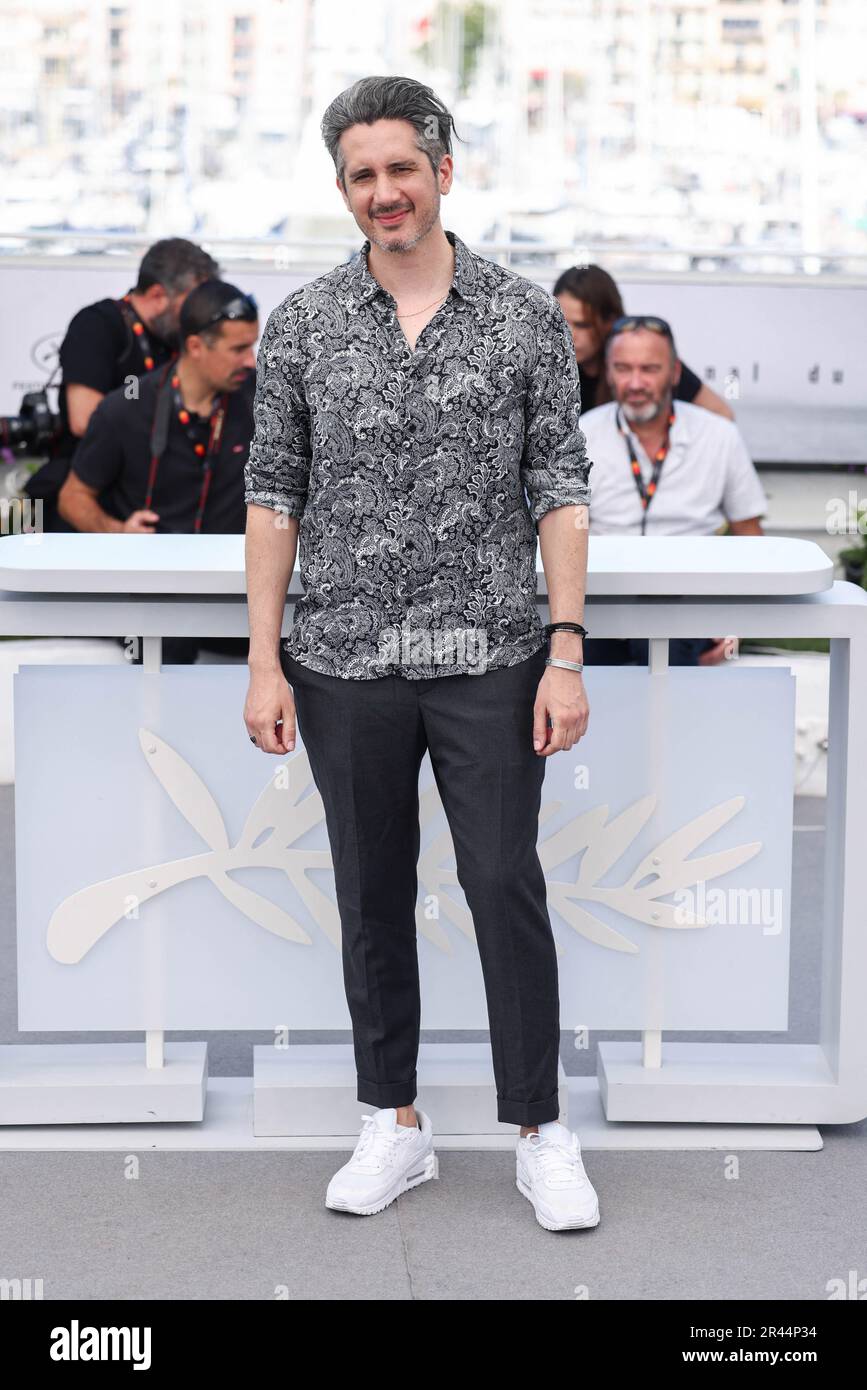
(646, 493)
(208, 455)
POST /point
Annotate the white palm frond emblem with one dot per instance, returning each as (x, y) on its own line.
(603, 843)
(84, 917)
(280, 816)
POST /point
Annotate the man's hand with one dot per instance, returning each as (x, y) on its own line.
(142, 520)
(269, 711)
(561, 695)
(725, 650)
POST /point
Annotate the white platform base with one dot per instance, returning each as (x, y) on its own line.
(310, 1089)
(714, 1083)
(587, 1118)
(101, 1083)
(228, 1127)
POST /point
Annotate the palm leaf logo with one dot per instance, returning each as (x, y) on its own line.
(278, 818)
(282, 814)
(603, 843)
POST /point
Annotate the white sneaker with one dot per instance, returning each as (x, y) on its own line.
(551, 1175)
(388, 1160)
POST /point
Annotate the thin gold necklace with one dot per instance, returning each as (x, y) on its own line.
(415, 313)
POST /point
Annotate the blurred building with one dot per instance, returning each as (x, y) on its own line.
(689, 124)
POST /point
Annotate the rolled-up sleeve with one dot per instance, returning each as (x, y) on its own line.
(277, 470)
(555, 468)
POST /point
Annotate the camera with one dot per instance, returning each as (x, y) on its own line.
(35, 429)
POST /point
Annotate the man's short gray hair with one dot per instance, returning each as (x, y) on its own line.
(390, 99)
(612, 339)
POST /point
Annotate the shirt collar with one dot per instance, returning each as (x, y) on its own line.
(679, 431)
(467, 281)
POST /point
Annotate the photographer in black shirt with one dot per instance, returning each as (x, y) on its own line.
(167, 451)
(113, 340)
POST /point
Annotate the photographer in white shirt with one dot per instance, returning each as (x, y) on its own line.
(663, 467)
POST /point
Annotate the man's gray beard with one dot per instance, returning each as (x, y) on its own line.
(401, 246)
(644, 415)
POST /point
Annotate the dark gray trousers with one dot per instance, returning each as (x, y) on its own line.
(365, 740)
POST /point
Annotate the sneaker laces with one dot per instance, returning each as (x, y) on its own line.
(559, 1163)
(375, 1146)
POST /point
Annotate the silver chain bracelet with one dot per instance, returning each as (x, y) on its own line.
(559, 661)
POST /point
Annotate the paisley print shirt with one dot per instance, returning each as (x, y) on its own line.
(418, 477)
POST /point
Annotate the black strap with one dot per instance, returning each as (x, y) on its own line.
(162, 416)
(130, 339)
(565, 626)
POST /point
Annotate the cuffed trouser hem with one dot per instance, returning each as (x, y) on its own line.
(387, 1094)
(534, 1112)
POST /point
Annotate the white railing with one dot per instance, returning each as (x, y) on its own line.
(300, 254)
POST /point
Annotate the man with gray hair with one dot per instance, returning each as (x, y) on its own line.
(416, 427)
(663, 467)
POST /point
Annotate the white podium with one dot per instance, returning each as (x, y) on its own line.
(654, 588)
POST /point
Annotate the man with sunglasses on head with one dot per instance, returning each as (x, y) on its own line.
(167, 453)
(113, 340)
(663, 467)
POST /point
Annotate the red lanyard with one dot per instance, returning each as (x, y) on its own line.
(208, 454)
(138, 331)
(647, 493)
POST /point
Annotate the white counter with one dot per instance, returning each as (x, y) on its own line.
(695, 566)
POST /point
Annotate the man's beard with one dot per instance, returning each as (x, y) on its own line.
(643, 414)
(409, 242)
(163, 327)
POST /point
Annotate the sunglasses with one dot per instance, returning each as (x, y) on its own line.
(243, 306)
(627, 322)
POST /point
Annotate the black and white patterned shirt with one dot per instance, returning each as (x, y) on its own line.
(408, 469)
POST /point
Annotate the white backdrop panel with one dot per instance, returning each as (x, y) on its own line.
(792, 346)
(136, 910)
